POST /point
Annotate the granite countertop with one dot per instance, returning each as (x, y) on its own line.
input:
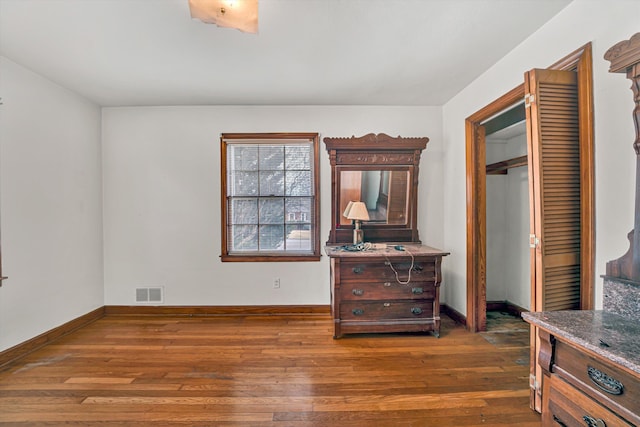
(410, 249)
(590, 328)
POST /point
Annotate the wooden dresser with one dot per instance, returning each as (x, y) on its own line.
(591, 368)
(368, 296)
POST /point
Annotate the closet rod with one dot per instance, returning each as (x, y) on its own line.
(500, 168)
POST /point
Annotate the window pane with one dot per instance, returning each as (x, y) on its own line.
(272, 183)
(298, 210)
(272, 157)
(298, 157)
(244, 211)
(245, 238)
(244, 183)
(298, 237)
(271, 211)
(270, 196)
(271, 237)
(298, 183)
(244, 157)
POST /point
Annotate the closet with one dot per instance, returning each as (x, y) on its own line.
(507, 212)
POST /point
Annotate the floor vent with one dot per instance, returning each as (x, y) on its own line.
(153, 295)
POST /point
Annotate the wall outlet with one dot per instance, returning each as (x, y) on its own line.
(276, 283)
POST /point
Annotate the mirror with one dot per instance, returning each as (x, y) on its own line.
(382, 172)
(384, 192)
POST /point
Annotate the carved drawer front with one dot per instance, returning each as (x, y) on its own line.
(423, 270)
(597, 379)
(571, 408)
(387, 291)
(379, 310)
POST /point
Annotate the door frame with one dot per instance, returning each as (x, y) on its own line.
(580, 61)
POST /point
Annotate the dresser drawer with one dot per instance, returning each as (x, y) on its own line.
(386, 291)
(597, 379)
(377, 310)
(566, 406)
(380, 270)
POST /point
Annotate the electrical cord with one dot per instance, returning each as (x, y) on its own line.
(396, 271)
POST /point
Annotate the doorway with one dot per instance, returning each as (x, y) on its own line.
(580, 62)
(559, 121)
(508, 269)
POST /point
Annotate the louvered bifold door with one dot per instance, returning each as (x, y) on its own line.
(551, 103)
(552, 111)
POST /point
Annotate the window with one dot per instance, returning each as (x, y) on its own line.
(270, 197)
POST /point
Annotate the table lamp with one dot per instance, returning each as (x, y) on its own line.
(357, 212)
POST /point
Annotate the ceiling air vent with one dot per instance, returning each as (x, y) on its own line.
(153, 295)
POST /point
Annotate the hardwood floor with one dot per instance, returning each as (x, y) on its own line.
(267, 371)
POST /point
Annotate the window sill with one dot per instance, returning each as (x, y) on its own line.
(269, 258)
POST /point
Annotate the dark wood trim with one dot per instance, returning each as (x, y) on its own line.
(500, 168)
(270, 258)
(26, 347)
(584, 68)
(506, 307)
(581, 61)
(315, 223)
(476, 207)
(453, 314)
(222, 310)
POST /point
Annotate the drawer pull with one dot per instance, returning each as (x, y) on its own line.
(358, 292)
(357, 311)
(592, 422)
(357, 270)
(558, 421)
(387, 284)
(418, 268)
(416, 310)
(604, 381)
(417, 291)
(387, 304)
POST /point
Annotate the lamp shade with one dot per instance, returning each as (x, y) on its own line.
(347, 209)
(358, 211)
(240, 14)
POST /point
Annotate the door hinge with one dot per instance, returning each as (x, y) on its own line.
(533, 384)
(534, 242)
(529, 99)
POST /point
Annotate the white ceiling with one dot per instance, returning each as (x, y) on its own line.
(307, 52)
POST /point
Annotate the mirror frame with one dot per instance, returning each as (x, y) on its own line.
(375, 152)
(392, 201)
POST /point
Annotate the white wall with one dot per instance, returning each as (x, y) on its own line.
(51, 205)
(604, 24)
(162, 198)
(517, 259)
(496, 233)
(508, 225)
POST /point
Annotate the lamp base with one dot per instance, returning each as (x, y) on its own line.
(358, 236)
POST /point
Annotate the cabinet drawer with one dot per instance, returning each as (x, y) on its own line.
(387, 291)
(377, 310)
(569, 407)
(423, 270)
(597, 379)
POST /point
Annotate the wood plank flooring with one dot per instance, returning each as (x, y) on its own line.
(268, 371)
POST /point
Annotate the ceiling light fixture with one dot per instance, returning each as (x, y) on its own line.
(239, 14)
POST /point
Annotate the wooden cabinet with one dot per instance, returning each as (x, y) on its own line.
(591, 368)
(385, 290)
